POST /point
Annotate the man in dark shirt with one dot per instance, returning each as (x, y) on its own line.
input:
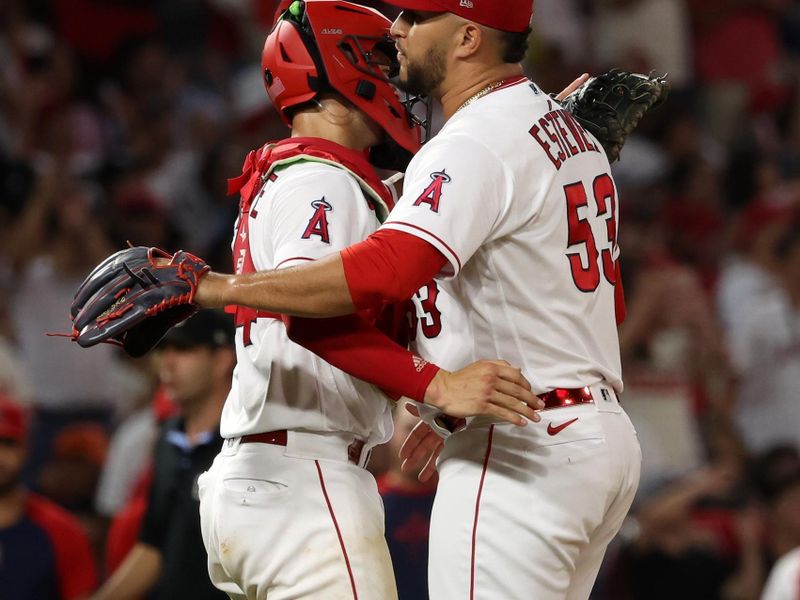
(44, 552)
(169, 561)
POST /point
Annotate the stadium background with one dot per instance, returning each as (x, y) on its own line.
(121, 120)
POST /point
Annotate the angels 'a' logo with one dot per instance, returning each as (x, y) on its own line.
(433, 193)
(318, 224)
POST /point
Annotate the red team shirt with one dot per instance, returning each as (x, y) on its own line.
(45, 555)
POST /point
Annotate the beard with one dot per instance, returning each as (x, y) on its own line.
(423, 78)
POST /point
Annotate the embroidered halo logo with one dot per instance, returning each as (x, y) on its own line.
(321, 205)
(318, 224)
(445, 178)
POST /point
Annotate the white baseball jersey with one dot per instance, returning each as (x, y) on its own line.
(440, 327)
(304, 212)
(784, 579)
(519, 199)
(530, 228)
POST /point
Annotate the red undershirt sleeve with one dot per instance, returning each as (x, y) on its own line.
(354, 345)
(386, 268)
(619, 297)
(389, 267)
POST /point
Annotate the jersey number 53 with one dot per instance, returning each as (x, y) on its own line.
(587, 277)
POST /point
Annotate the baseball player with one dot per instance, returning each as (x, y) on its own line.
(287, 510)
(513, 209)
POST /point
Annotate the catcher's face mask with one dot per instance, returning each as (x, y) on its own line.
(332, 45)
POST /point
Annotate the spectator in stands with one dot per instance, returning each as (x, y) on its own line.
(169, 560)
(738, 78)
(45, 553)
(684, 552)
(670, 332)
(56, 241)
(641, 35)
(750, 277)
(407, 503)
(778, 479)
(767, 354)
(129, 452)
(69, 476)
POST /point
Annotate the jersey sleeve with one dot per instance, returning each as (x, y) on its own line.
(315, 212)
(453, 197)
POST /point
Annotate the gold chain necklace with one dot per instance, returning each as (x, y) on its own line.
(489, 88)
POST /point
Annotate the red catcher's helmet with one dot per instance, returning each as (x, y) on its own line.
(321, 46)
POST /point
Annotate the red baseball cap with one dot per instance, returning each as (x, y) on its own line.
(13, 424)
(510, 15)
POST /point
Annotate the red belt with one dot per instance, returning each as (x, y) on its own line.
(561, 397)
(278, 438)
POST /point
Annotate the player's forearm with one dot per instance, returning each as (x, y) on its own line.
(316, 289)
(135, 577)
(387, 267)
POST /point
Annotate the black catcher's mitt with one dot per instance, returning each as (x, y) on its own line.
(133, 298)
(610, 106)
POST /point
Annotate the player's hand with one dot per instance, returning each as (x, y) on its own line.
(573, 86)
(487, 387)
(422, 446)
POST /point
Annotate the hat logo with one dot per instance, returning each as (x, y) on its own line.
(331, 31)
(466, 4)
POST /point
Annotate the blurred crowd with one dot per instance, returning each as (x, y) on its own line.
(120, 120)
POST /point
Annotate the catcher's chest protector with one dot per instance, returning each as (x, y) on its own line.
(260, 166)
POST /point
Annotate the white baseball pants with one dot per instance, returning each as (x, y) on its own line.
(284, 523)
(523, 514)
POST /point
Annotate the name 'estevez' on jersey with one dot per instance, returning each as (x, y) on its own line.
(519, 198)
